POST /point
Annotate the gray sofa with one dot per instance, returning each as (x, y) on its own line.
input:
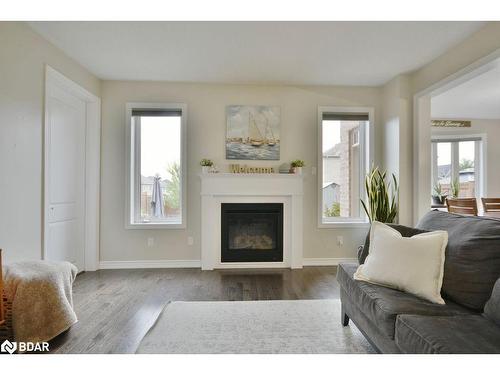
(469, 322)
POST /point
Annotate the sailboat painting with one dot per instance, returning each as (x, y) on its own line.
(253, 132)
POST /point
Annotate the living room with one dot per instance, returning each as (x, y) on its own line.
(249, 187)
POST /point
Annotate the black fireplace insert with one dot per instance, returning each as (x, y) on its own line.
(252, 232)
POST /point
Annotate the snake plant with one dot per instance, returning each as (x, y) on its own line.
(455, 188)
(382, 203)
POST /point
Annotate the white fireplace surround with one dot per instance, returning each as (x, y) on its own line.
(217, 188)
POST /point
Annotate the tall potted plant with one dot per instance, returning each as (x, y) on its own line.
(382, 197)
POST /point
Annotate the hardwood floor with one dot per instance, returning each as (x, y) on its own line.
(116, 308)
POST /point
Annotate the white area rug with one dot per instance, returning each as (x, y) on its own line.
(311, 326)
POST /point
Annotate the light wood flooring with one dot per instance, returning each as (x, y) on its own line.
(116, 308)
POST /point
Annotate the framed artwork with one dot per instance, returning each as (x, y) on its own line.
(253, 132)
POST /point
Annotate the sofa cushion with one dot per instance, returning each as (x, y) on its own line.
(419, 259)
(459, 334)
(382, 305)
(492, 307)
(405, 232)
(472, 262)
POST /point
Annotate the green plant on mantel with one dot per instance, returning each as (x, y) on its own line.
(298, 163)
(382, 197)
(206, 163)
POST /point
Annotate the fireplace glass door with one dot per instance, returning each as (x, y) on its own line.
(252, 232)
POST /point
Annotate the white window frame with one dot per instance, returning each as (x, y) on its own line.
(133, 179)
(480, 174)
(366, 140)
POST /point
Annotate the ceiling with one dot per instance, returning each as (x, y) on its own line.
(478, 98)
(324, 53)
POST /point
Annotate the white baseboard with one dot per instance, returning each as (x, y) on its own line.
(124, 264)
(130, 264)
(327, 261)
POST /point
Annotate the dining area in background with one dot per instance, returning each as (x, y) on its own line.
(461, 181)
(488, 207)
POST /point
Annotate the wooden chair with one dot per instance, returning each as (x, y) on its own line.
(6, 332)
(491, 204)
(463, 206)
(1, 290)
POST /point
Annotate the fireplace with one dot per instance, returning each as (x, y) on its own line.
(219, 189)
(251, 232)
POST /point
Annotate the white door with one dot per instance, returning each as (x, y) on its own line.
(65, 177)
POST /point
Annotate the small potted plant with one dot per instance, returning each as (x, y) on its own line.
(438, 197)
(206, 165)
(297, 166)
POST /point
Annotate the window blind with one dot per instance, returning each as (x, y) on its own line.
(345, 116)
(157, 112)
(453, 140)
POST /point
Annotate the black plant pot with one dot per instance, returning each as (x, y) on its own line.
(436, 199)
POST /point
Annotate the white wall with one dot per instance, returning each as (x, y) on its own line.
(396, 145)
(206, 133)
(390, 119)
(492, 130)
(23, 55)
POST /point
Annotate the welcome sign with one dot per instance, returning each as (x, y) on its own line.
(236, 168)
(451, 123)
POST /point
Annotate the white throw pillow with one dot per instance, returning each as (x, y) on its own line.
(411, 264)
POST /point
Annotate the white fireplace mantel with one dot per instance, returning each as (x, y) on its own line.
(218, 188)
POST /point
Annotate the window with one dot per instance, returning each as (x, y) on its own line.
(343, 160)
(157, 165)
(457, 159)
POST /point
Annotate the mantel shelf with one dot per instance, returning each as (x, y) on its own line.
(257, 175)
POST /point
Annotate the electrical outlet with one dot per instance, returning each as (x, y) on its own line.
(340, 241)
(151, 241)
(190, 241)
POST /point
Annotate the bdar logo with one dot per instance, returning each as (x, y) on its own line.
(8, 347)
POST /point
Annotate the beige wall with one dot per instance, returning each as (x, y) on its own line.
(390, 131)
(492, 130)
(396, 145)
(478, 45)
(206, 133)
(23, 55)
